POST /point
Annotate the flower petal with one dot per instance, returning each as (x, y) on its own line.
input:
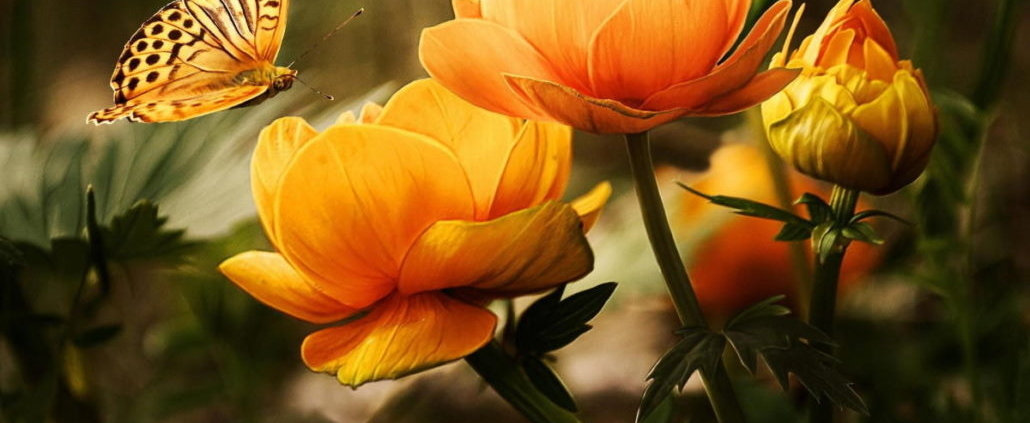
(524, 252)
(588, 206)
(466, 9)
(400, 336)
(355, 199)
(559, 29)
(537, 169)
(469, 56)
(585, 113)
(763, 86)
(649, 45)
(276, 146)
(269, 278)
(481, 140)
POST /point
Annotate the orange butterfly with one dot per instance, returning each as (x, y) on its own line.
(196, 57)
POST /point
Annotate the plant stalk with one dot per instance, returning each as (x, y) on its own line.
(505, 377)
(823, 306)
(718, 386)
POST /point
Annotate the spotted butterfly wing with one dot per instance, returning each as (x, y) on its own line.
(195, 57)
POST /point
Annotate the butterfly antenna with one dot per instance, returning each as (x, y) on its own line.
(326, 37)
(326, 96)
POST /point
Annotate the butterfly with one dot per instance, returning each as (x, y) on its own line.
(195, 57)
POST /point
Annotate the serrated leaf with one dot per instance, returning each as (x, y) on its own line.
(749, 337)
(767, 307)
(139, 233)
(698, 349)
(794, 232)
(818, 210)
(548, 382)
(751, 208)
(97, 335)
(862, 232)
(551, 323)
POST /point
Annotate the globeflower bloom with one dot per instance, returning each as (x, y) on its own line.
(858, 116)
(407, 222)
(735, 260)
(606, 66)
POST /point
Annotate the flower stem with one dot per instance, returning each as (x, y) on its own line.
(718, 385)
(504, 375)
(823, 305)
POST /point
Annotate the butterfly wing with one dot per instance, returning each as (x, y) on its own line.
(190, 51)
(170, 110)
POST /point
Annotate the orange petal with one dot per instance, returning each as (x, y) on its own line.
(469, 56)
(370, 112)
(559, 29)
(469, 9)
(269, 278)
(276, 146)
(589, 205)
(585, 113)
(763, 86)
(878, 62)
(355, 199)
(401, 335)
(649, 45)
(537, 169)
(481, 140)
(524, 252)
(862, 15)
(730, 75)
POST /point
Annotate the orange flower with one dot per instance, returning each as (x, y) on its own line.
(735, 261)
(858, 116)
(605, 66)
(417, 216)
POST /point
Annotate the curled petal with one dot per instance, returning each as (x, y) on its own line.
(276, 146)
(400, 336)
(589, 205)
(760, 88)
(481, 140)
(354, 200)
(524, 252)
(575, 109)
(537, 169)
(269, 278)
(468, 56)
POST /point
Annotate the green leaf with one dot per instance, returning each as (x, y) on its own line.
(699, 349)
(794, 232)
(862, 232)
(866, 214)
(139, 233)
(824, 240)
(548, 382)
(766, 308)
(818, 210)
(788, 346)
(97, 335)
(747, 207)
(551, 323)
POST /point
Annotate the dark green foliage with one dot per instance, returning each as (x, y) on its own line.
(697, 349)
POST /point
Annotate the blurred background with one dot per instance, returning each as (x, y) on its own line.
(934, 325)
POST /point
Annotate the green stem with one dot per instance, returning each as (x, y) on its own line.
(823, 306)
(504, 375)
(718, 385)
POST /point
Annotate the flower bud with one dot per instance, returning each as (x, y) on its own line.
(857, 116)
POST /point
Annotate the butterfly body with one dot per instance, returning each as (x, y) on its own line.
(195, 57)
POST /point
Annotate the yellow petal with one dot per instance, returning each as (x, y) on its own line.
(470, 56)
(568, 106)
(589, 205)
(400, 336)
(370, 112)
(354, 200)
(537, 169)
(878, 62)
(524, 252)
(269, 278)
(346, 118)
(276, 146)
(481, 140)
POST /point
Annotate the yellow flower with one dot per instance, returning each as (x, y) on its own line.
(857, 116)
(417, 214)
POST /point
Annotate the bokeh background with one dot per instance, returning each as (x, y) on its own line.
(934, 325)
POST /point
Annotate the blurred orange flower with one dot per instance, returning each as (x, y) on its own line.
(416, 214)
(858, 116)
(605, 66)
(735, 261)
